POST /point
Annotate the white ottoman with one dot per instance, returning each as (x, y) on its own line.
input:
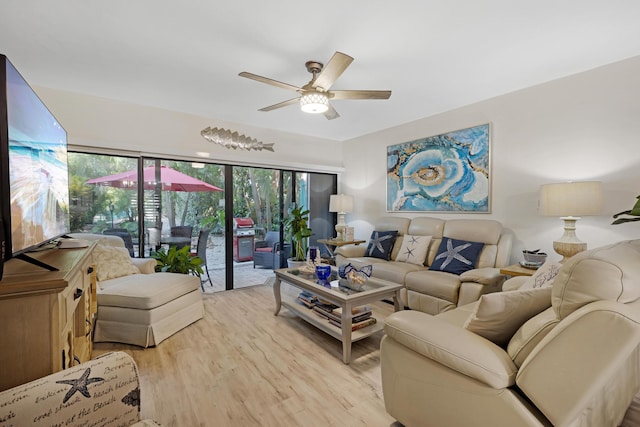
(145, 309)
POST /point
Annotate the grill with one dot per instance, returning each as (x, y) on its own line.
(243, 236)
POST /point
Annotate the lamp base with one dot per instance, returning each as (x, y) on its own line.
(568, 249)
(568, 245)
(341, 227)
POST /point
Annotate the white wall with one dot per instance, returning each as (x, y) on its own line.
(97, 122)
(583, 127)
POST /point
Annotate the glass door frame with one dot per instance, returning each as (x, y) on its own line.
(229, 209)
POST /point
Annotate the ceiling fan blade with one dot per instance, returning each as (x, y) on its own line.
(331, 113)
(281, 104)
(360, 94)
(269, 81)
(334, 69)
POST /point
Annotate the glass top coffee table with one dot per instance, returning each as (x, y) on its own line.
(345, 298)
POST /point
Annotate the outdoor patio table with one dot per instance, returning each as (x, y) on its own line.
(178, 241)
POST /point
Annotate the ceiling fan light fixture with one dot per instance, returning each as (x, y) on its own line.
(314, 102)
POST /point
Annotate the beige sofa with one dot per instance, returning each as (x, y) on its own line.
(101, 392)
(436, 291)
(576, 363)
(139, 306)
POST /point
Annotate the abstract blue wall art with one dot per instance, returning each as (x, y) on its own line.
(450, 172)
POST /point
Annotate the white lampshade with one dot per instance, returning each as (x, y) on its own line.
(314, 102)
(340, 203)
(571, 199)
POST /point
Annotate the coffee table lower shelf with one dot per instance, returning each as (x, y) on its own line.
(324, 325)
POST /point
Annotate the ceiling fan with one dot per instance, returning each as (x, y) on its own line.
(315, 95)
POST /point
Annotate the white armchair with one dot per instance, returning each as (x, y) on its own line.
(575, 363)
(101, 392)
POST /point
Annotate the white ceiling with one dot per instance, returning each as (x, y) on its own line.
(435, 55)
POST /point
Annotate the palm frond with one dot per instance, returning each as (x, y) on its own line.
(634, 213)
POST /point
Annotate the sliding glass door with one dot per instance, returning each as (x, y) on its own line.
(183, 206)
(222, 213)
(102, 199)
(258, 195)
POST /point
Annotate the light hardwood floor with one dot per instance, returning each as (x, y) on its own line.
(243, 366)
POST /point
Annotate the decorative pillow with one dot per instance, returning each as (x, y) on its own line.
(543, 276)
(413, 249)
(381, 244)
(112, 262)
(456, 256)
(499, 315)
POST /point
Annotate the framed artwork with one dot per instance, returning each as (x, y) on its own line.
(450, 172)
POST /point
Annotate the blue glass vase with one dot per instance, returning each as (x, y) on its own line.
(323, 272)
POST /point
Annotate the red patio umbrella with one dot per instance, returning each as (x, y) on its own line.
(171, 180)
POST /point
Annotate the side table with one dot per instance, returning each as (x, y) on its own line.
(331, 244)
(517, 270)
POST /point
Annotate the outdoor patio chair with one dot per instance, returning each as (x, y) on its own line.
(124, 235)
(266, 253)
(182, 231)
(201, 252)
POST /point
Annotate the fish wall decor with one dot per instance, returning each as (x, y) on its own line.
(230, 139)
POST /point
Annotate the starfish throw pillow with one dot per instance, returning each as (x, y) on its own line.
(381, 244)
(413, 249)
(456, 256)
(543, 276)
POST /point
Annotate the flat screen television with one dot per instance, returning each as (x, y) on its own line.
(34, 176)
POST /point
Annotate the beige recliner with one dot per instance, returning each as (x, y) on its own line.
(576, 363)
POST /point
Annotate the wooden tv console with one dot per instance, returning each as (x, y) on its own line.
(46, 317)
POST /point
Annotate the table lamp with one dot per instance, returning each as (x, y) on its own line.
(569, 201)
(341, 204)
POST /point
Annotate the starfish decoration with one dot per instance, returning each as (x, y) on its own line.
(453, 253)
(409, 252)
(376, 242)
(79, 385)
(132, 398)
(414, 240)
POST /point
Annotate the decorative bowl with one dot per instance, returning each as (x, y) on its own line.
(356, 280)
(534, 257)
(352, 277)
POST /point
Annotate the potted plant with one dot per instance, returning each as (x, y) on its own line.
(297, 226)
(177, 261)
(633, 213)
